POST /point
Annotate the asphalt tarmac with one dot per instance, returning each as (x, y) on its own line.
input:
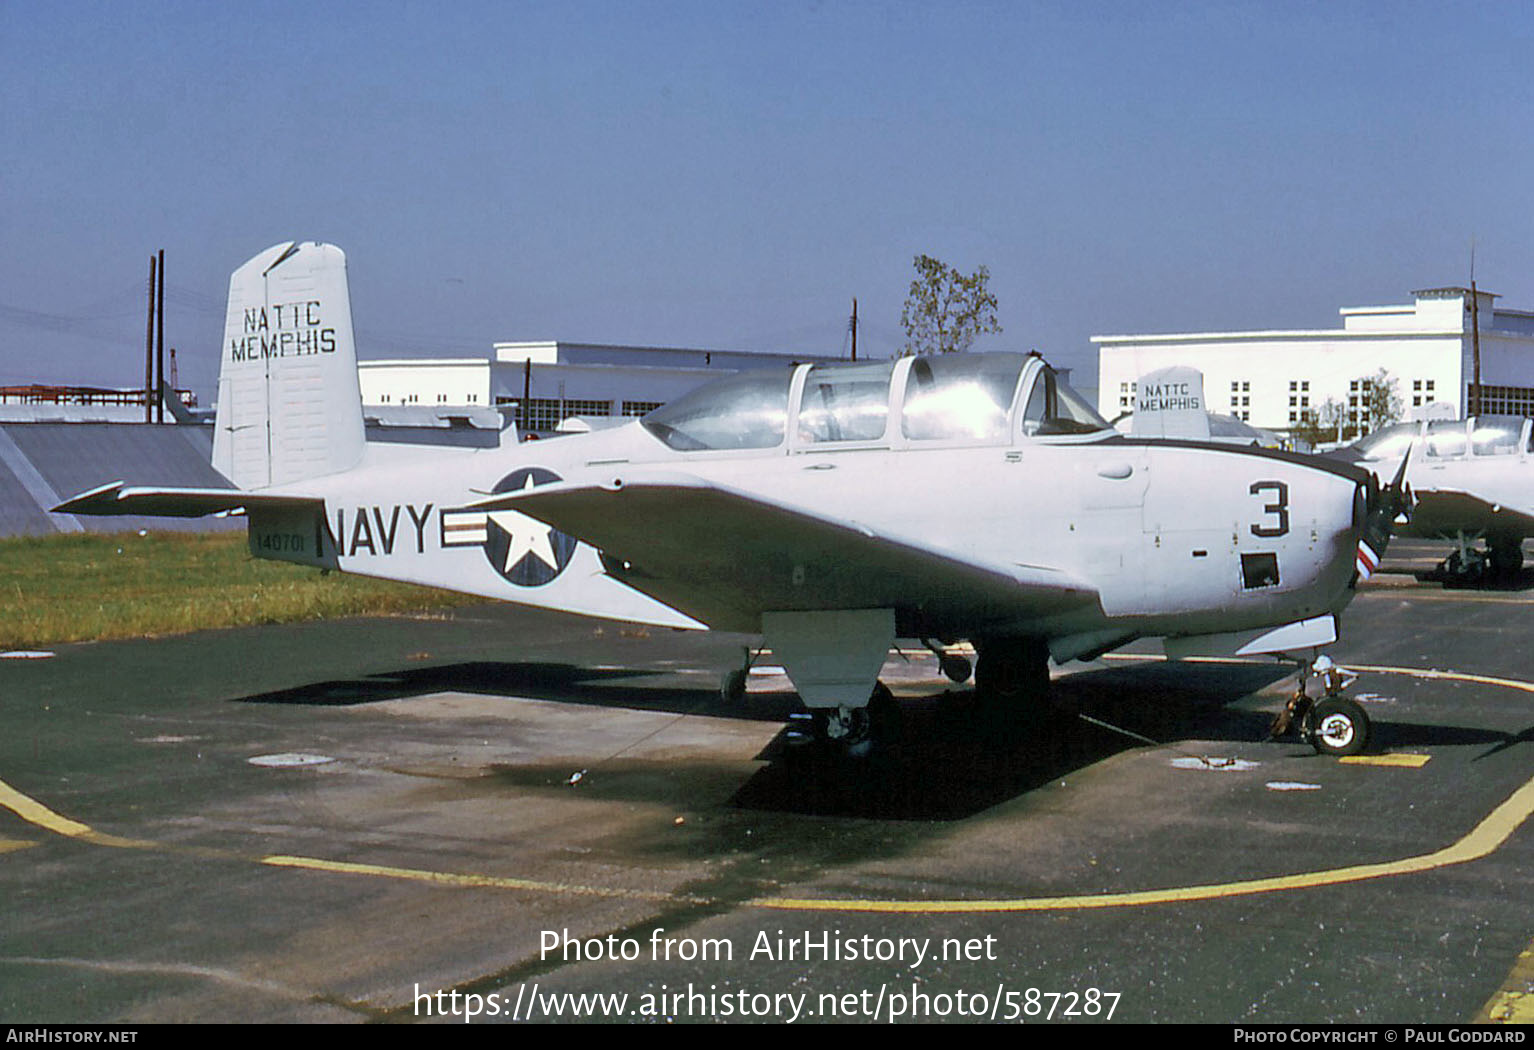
(339, 821)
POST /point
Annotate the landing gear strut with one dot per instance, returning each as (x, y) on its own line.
(1334, 724)
(1012, 688)
(1010, 670)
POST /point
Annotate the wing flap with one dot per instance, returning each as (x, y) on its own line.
(117, 498)
(725, 556)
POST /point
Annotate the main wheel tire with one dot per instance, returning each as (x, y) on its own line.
(1505, 554)
(732, 686)
(1338, 726)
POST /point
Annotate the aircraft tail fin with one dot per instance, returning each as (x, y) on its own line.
(289, 403)
(1169, 403)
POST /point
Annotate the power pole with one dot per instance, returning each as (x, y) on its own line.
(159, 353)
(854, 328)
(149, 349)
(1473, 402)
(1475, 344)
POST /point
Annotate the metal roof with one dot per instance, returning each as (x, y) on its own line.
(42, 464)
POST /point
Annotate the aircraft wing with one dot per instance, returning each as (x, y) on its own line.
(724, 557)
(1446, 511)
(117, 498)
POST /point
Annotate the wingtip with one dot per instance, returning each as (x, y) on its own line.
(85, 499)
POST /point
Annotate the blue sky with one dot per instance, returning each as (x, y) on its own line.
(730, 175)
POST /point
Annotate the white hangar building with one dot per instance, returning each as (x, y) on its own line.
(1272, 378)
(541, 383)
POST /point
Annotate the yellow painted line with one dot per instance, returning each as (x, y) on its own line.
(11, 845)
(1482, 840)
(1480, 597)
(1401, 760)
(34, 812)
(447, 878)
(1447, 676)
(1514, 1001)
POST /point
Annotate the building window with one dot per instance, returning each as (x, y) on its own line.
(1504, 400)
(644, 408)
(546, 413)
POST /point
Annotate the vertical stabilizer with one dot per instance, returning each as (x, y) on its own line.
(289, 404)
(1169, 403)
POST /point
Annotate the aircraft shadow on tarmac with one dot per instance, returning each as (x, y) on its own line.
(559, 682)
(943, 759)
(1522, 580)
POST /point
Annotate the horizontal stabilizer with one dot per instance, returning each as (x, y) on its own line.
(117, 498)
(725, 557)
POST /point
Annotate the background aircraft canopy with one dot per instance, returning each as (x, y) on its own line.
(1387, 442)
(1449, 438)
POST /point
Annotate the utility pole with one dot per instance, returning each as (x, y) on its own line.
(1473, 402)
(149, 349)
(159, 367)
(854, 325)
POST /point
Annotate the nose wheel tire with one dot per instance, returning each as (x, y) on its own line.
(1337, 726)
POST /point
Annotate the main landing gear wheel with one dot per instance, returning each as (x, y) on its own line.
(855, 730)
(1336, 725)
(1505, 555)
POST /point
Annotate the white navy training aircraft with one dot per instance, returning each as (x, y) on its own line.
(828, 509)
(1471, 479)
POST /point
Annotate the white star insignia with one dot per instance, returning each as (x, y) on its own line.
(527, 535)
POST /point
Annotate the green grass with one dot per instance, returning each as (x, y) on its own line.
(73, 588)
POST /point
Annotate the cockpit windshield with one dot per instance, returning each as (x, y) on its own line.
(1054, 408)
(748, 410)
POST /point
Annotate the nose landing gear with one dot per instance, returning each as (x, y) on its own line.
(1333, 724)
